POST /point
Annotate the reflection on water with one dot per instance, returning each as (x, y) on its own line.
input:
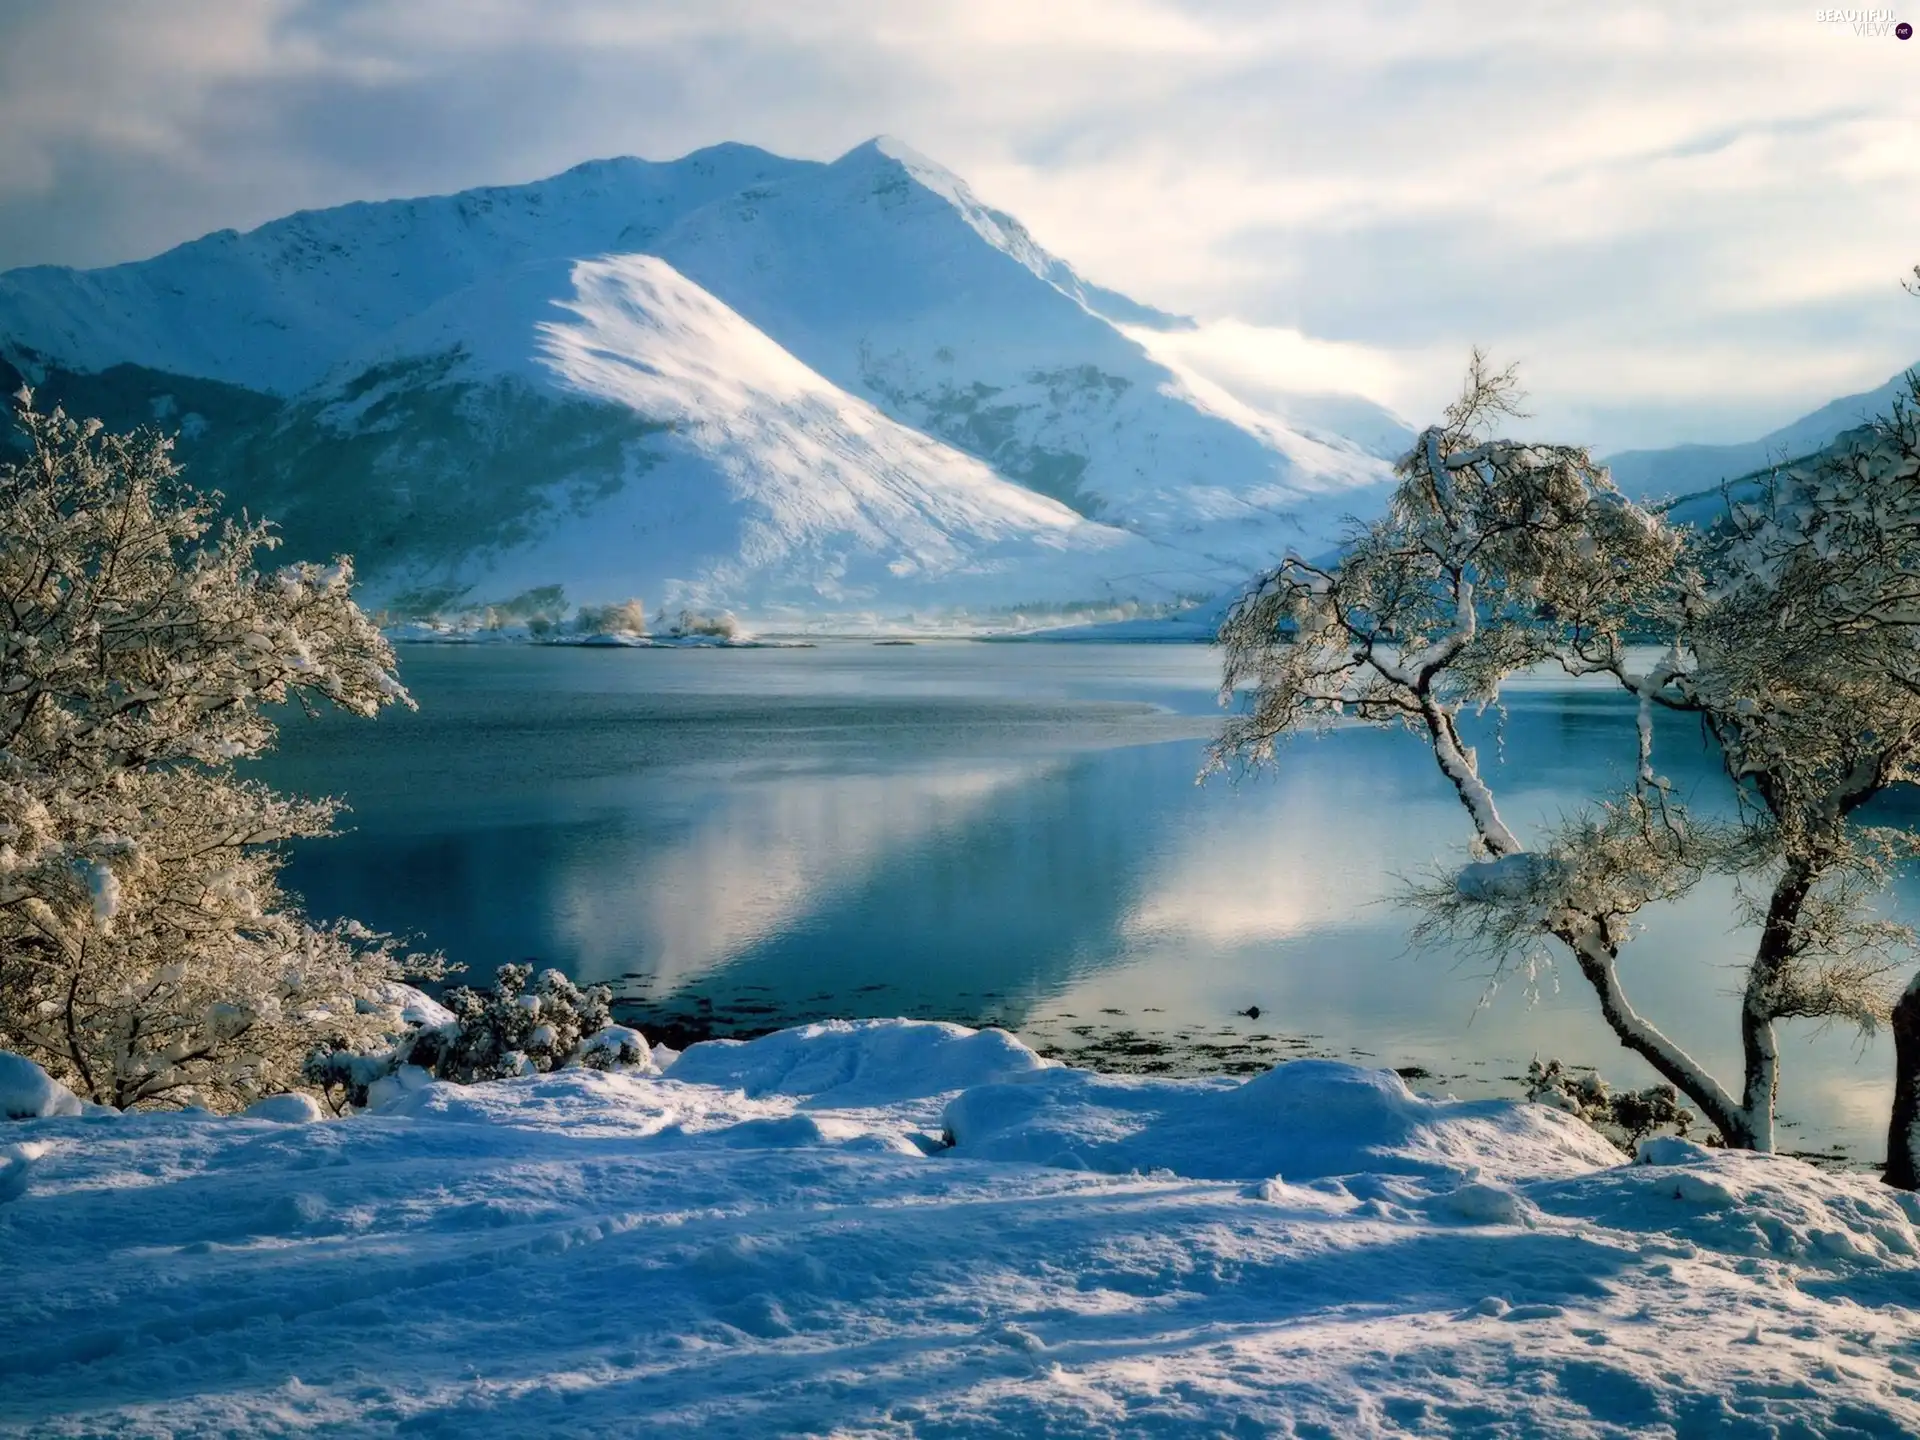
(771, 853)
(995, 833)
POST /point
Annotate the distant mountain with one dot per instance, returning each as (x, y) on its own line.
(791, 388)
(1685, 469)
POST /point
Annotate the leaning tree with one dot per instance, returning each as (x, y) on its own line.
(1786, 630)
(147, 955)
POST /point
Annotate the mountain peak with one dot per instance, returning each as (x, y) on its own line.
(729, 152)
(895, 148)
(887, 153)
(890, 147)
(924, 168)
(1003, 232)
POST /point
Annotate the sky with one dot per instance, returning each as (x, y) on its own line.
(1683, 222)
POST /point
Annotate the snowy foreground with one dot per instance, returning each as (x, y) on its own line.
(771, 1238)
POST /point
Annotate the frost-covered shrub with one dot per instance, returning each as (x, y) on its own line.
(346, 1076)
(147, 955)
(629, 617)
(690, 623)
(615, 1047)
(1625, 1117)
(511, 1029)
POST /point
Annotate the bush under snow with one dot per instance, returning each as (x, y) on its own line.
(148, 956)
(1627, 1116)
(519, 1027)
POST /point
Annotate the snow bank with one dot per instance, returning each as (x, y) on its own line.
(289, 1109)
(1754, 1207)
(769, 1252)
(638, 1107)
(859, 1062)
(1302, 1120)
(28, 1093)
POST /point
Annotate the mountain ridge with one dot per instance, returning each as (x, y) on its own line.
(1680, 471)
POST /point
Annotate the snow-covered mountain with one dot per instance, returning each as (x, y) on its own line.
(786, 387)
(1686, 469)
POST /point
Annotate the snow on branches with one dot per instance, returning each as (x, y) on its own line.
(147, 955)
(1791, 631)
(1493, 556)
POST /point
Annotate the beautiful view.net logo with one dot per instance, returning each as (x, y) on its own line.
(1871, 23)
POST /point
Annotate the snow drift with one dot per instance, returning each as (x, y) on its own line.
(28, 1093)
(1303, 1120)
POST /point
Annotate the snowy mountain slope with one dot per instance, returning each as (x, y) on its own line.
(673, 452)
(874, 271)
(1684, 469)
(788, 490)
(377, 376)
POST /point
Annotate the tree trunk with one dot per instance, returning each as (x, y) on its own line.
(1758, 1006)
(1762, 1088)
(1903, 1132)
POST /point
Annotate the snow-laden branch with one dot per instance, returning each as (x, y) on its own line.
(1458, 763)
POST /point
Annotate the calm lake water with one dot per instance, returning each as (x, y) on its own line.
(1005, 834)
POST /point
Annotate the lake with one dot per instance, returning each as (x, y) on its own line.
(1004, 834)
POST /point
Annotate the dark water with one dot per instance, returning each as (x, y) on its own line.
(997, 833)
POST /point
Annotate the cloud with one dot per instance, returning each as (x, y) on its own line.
(1273, 368)
(1685, 221)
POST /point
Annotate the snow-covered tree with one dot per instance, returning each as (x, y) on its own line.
(629, 617)
(691, 624)
(146, 953)
(1788, 631)
(1903, 1128)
